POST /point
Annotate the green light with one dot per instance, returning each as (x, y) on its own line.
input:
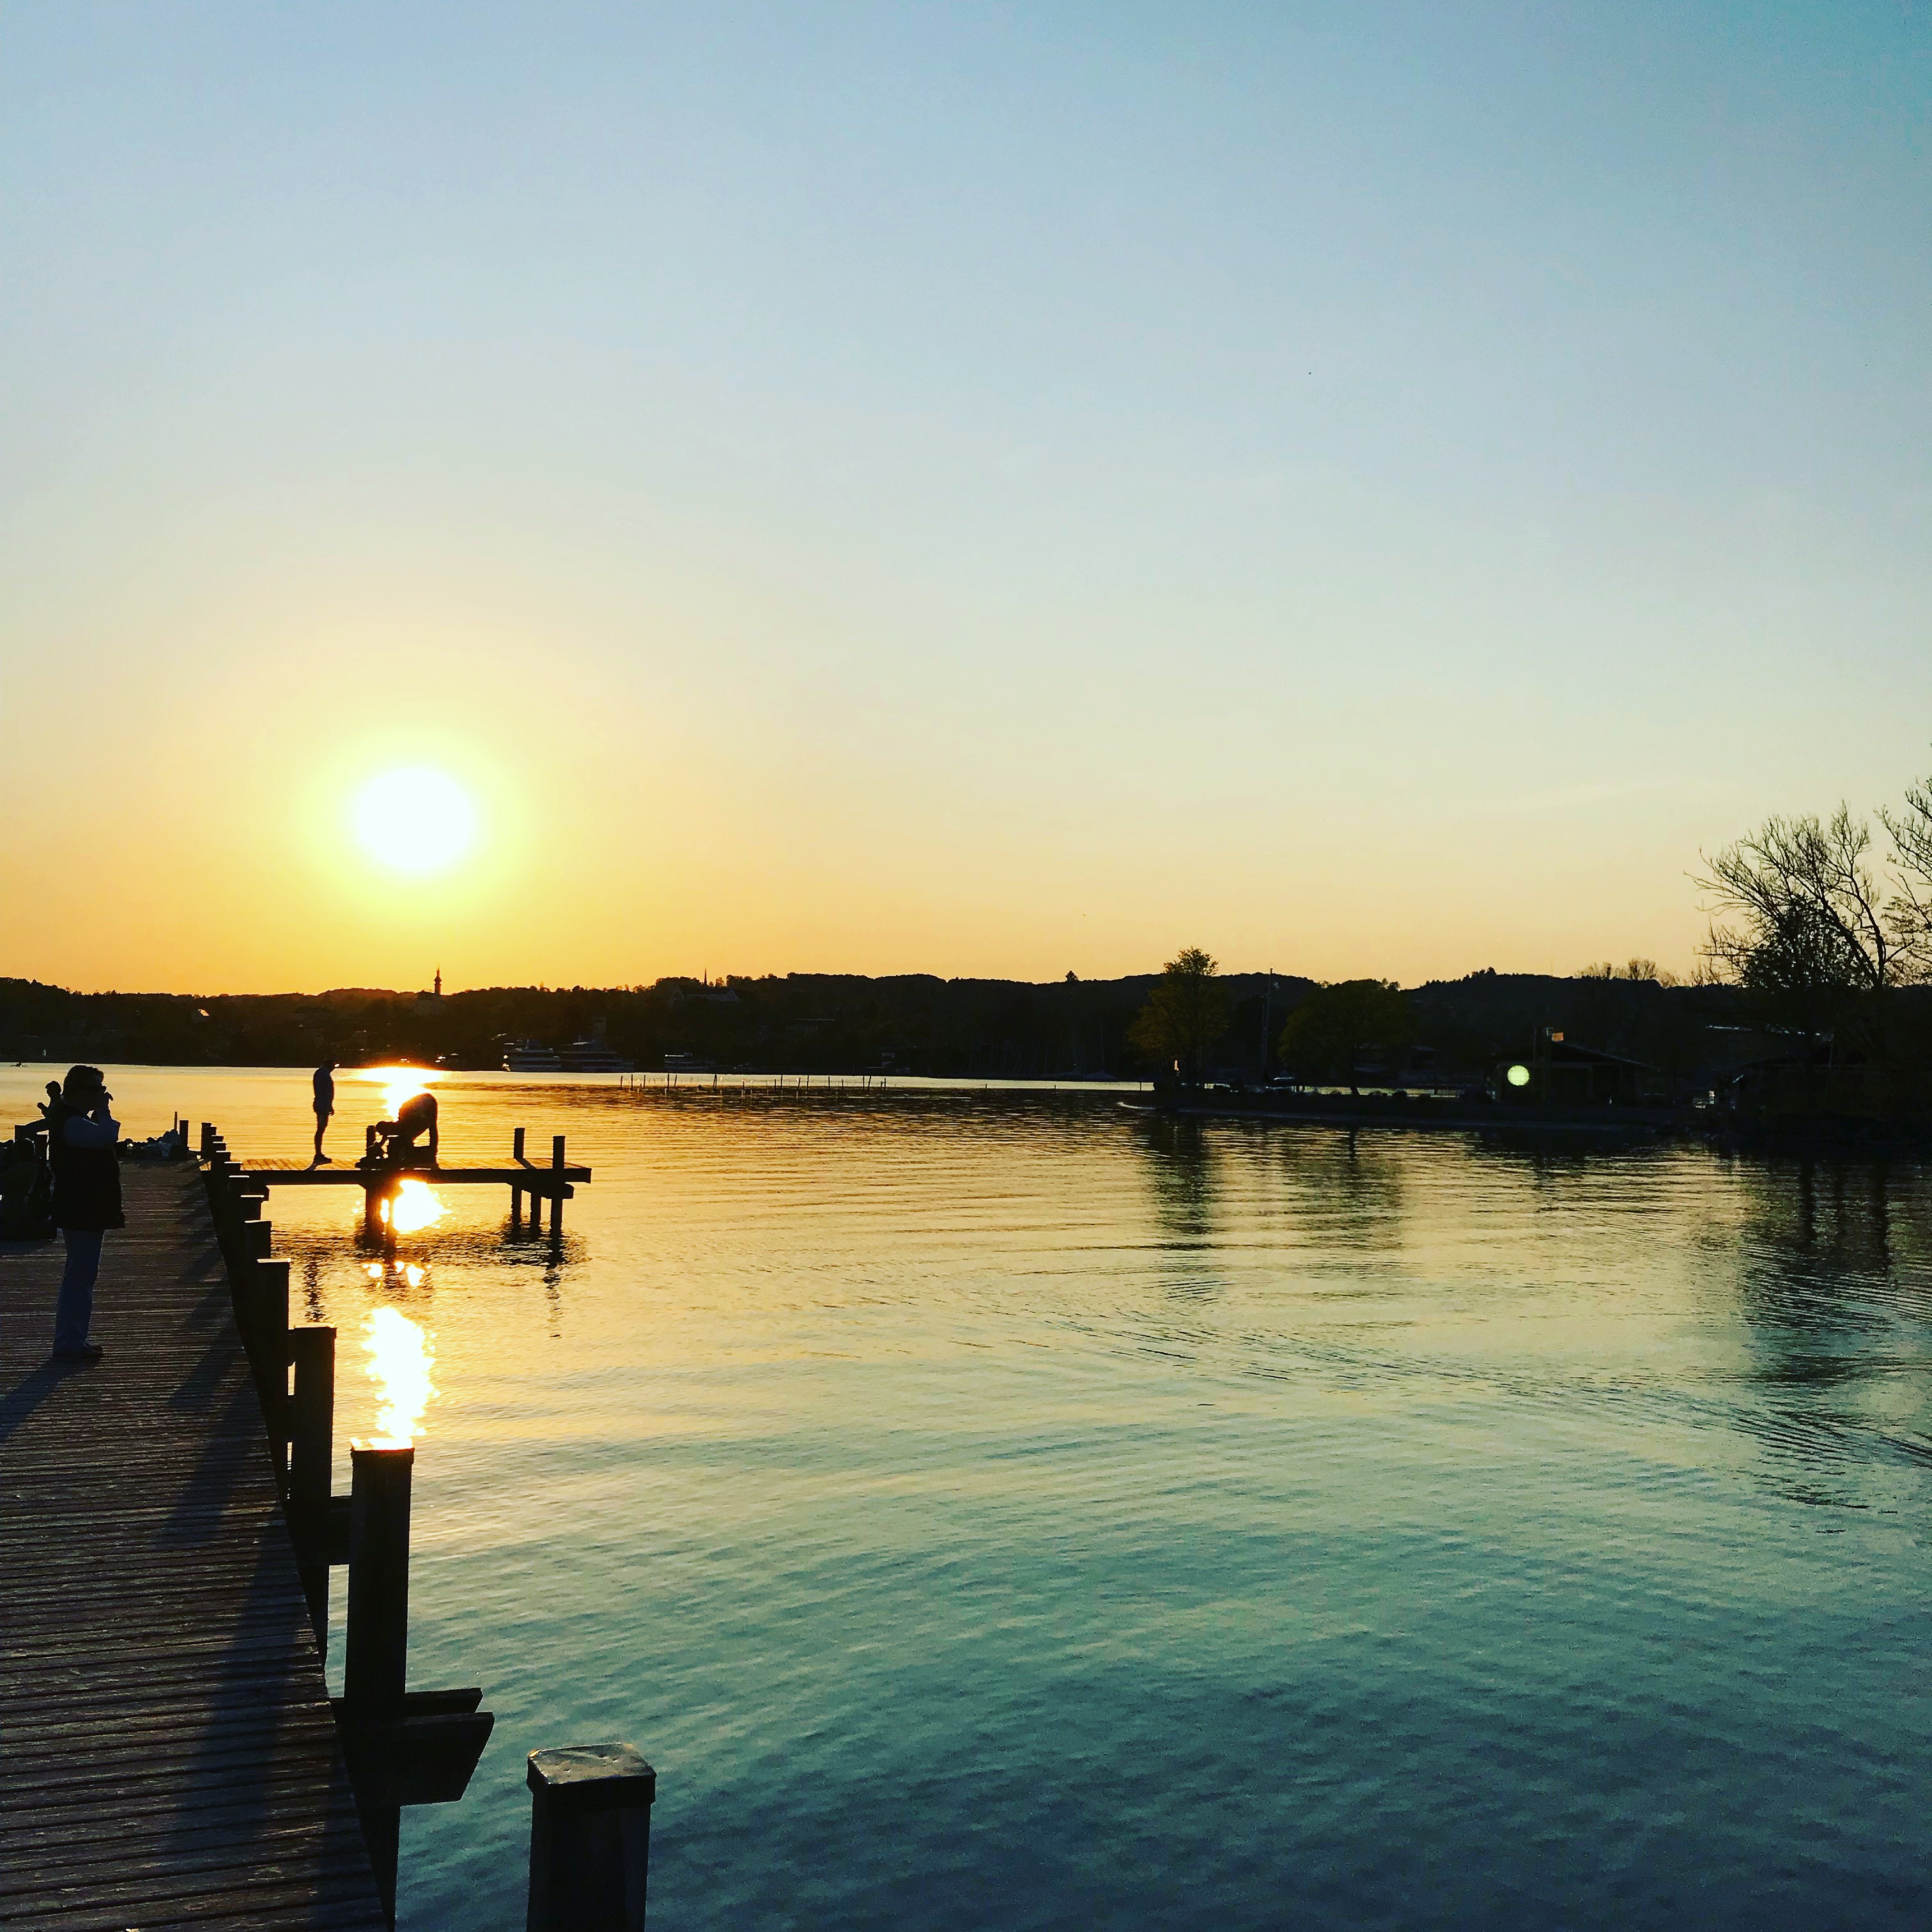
(1518, 1075)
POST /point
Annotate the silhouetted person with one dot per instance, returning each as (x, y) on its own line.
(394, 1142)
(82, 1138)
(39, 1128)
(325, 1106)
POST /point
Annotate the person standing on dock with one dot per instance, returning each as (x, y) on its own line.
(325, 1106)
(81, 1137)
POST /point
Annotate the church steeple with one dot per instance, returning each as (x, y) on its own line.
(439, 983)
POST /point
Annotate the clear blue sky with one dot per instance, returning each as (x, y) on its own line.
(979, 489)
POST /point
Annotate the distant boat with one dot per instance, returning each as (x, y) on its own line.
(593, 1056)
(527, 1056)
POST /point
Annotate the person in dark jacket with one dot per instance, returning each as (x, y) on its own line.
(82, 1136)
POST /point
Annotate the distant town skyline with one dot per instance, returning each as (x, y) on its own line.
(1365, 491)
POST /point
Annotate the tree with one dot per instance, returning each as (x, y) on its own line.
(1820, 928)
(1326, 1035)
(1185, 1015)
(1911, 833)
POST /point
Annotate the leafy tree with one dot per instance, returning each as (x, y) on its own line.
(1185, 1015)
(1327, 1034)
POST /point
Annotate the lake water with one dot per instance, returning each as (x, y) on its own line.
(1022, 1512)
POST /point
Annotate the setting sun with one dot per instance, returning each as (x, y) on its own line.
(415, 819)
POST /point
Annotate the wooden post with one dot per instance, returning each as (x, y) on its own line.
(311, 1458)
(375, 1661)
(248, 1248)
(590, 1838)
(516, 1209)
(372, 1219)
(517, 1145)
(376, 1646)
(557, 1199)
(271, 1357)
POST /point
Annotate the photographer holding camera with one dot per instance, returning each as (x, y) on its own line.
(82, 1136)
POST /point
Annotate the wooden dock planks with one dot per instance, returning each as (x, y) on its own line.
(277, 1173)
(167, 1757)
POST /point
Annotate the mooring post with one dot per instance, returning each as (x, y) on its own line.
(557, 1199)
(311, 1459)
(375, 1645)
(372, 1215)
(590, 1838)
(257, 1236)
(271, 1356)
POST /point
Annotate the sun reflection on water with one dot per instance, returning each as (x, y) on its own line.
(414, 1206)
(399, 1083)
(410, 1273)
(399, 1360)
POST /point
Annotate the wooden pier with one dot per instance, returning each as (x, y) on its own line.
(168, 1756)
(555, 1183)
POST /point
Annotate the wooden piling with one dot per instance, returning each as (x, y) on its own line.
(311, 1471)
(590, 1838)
(375, 1661)
(271, 1372)
(556, 1198)
(375, 1644)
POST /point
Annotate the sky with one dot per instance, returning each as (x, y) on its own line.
(983, 489)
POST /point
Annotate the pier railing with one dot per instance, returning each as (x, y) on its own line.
(590, 1804)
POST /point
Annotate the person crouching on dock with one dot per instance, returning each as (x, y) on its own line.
(393, 1143)
(82, 1137)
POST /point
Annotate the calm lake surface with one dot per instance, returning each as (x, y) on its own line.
(1016, 1512)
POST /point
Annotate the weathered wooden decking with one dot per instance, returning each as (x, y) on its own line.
(167, 1758)
(279, 1173)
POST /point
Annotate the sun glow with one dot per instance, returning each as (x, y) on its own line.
(415, 819)
(401, 1083)
(399, 1360)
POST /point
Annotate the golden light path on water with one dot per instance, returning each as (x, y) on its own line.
(401, 1357)
(414, 1206)
(399, 1083)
